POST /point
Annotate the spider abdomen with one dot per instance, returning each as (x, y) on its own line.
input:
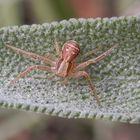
(70, 50)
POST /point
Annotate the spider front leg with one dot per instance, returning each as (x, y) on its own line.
(91, 85)
(95, 60)
(91, 52)
(28, 70)
(30, 54)
(88, 54)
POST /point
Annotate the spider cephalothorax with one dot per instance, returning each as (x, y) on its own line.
(64, 66)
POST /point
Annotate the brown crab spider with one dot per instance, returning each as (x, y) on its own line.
(64, 66)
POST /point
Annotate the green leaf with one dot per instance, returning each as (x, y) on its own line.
(117, 77)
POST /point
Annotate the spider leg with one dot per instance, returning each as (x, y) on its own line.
(50, 56)
(87, 54)
(32, 55)
(49, 76)
(95, 60)
(87, 77)
(91, 52)
(28, 70)
(57, 48)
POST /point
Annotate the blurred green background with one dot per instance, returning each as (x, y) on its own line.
(18, 12)
(16, 125)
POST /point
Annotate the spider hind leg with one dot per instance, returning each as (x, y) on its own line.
(28, 70)
(91, 85)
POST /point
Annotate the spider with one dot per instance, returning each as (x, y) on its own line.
(64, 66)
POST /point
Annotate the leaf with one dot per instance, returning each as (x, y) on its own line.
(117, 77)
